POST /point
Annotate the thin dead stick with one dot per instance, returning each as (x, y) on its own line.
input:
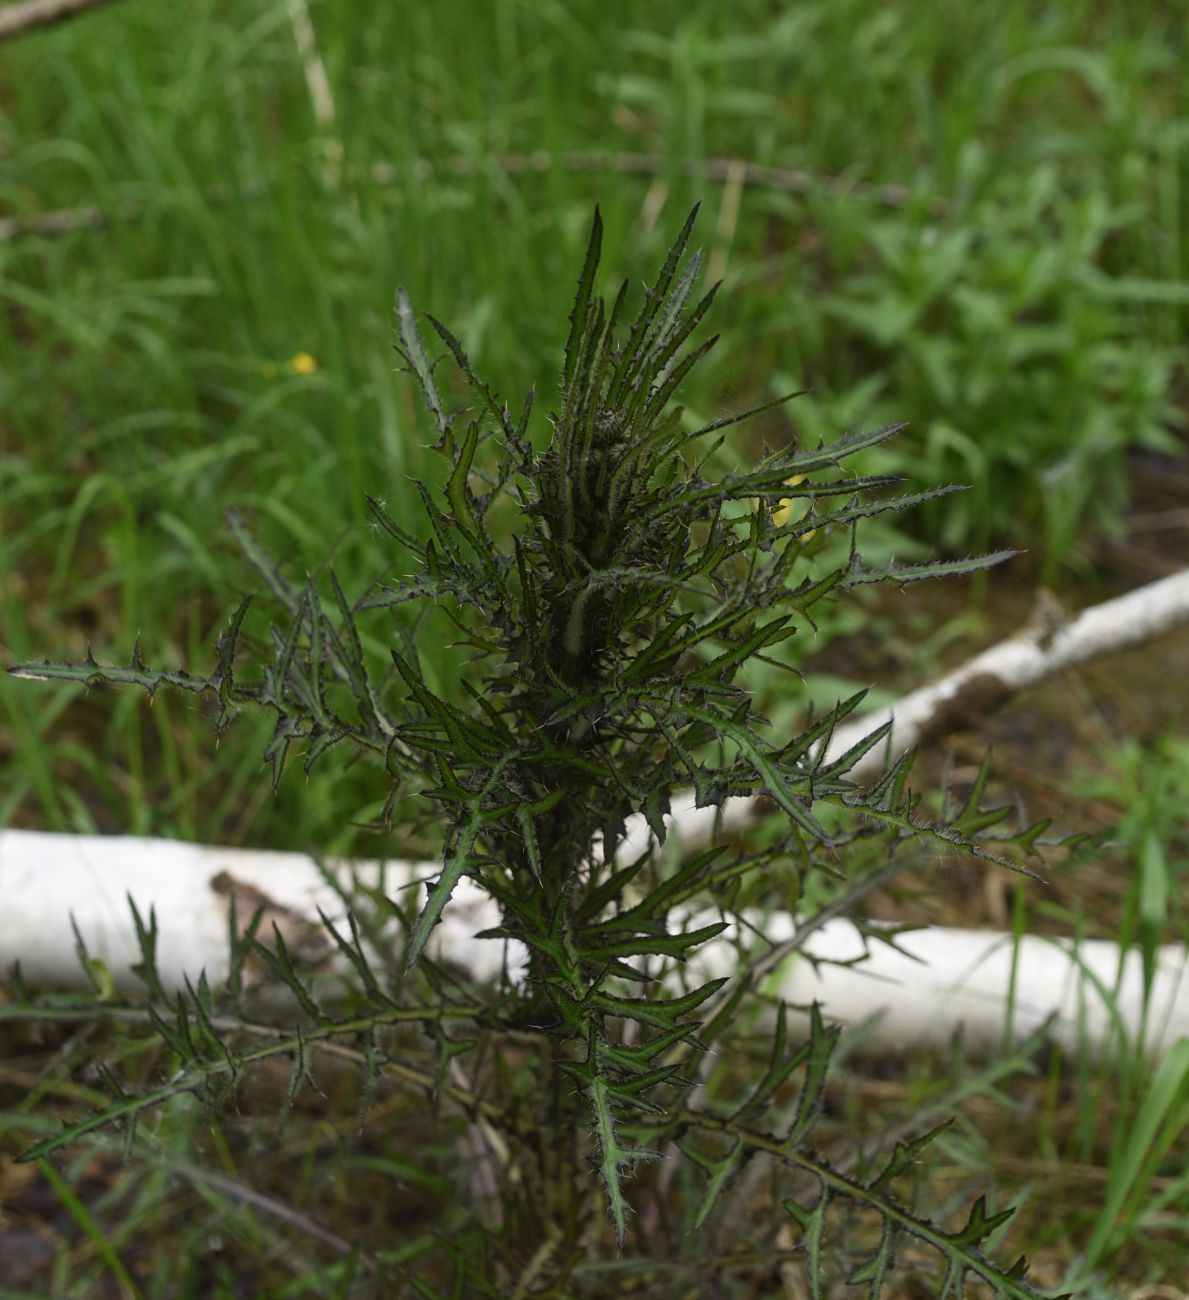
(788, 180)
(63, 221)
(725, 171)
(28, 16)
(318, 85)
(274, 1206)
(728, 217)
(1155, 521)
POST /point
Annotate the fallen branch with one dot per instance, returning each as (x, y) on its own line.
(961, 699)
(917, 994)
(29, 15)
(1049, 646)
(724, 171)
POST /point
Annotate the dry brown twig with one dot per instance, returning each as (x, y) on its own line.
(318, 85)
(735, 173)
(30, 15)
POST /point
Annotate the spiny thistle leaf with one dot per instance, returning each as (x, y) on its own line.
(614, 1157)
(822, 1042)
(721, 1173)
(812, 1223)
(457, 863)
(146, 941)
(414, 353)
(781, 1065)
(582, 300)
(93, 674)
(902, 573)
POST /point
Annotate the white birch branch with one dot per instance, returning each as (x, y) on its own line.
(961, 698)
(954, 978)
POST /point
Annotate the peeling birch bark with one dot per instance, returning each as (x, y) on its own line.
(48, 880)
(954, 979)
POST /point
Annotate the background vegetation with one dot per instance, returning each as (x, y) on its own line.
(969, 217)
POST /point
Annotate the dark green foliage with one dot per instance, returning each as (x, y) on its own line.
(608, 629)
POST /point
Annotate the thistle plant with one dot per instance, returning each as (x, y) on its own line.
(608, 630)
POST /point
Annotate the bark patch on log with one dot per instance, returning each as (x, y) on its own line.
(306, 941)
(977, 697)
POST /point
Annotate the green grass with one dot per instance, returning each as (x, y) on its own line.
(1022, 302)
(1029, 332)
(1138, 1137)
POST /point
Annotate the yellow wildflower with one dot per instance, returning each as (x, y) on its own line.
(780, 516)
(303, 364)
